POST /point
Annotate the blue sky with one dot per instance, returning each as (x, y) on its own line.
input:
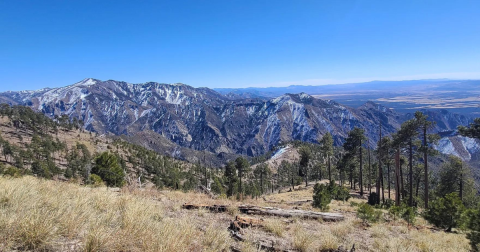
(232, 43)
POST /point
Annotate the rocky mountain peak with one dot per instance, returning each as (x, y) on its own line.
(86, 82)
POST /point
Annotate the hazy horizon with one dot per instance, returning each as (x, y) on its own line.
(257, 87)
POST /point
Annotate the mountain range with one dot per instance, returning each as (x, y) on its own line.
(185, 122)
(459, 96)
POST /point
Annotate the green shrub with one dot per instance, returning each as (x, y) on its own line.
(95, 180)
(338, 192)
(321, 197)
(41, 169)
(395, 212)
(217, 186)
(368, 214)
(11, 171)
(157, 180)
(107, 167)
(388, 203)
(408, 214)
(445, 212)
(466, 218)
(323, 194)
(474, 234)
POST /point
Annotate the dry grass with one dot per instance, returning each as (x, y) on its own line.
(422, 240)
(302, 239)
(40, 215)
(275, 226)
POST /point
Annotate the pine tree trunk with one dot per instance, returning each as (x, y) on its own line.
(397, 177)
(329, 168)
(306, 176)
(293, 186)
(205, 163)
(273, 183)
(402, 191)
(261, 181)
(461, 184)
(240, 183)
(417, 188)
(360, 181)
(351, 179)
(410, 175)
(388, 179)
(382, 189)
(380, 173)
(425, 164)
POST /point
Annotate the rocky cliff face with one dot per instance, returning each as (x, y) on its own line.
(202, 119)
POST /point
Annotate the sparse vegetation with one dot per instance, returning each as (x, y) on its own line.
(275, 226)
(56, 216)
(446, 212)
(321, 197)
(368, 214)
(323, 194)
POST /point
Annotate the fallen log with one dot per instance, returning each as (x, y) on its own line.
(288, 213)
(213, 208)
(298, 203)
(272, 211)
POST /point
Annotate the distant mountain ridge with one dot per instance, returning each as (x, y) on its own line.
(459, 96)
(202, 119)
(341, 88)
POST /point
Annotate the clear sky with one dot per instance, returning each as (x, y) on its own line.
(236, 43)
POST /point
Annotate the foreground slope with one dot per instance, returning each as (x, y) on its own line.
(39, 215)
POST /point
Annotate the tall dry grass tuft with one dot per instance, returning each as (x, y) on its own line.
(275, 226)
(216, 239)
(302, 240)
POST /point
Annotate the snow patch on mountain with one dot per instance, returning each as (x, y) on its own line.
(459, 146)
(279, 152)
(445, 146)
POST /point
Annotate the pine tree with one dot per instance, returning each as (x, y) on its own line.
(472, 131)
(353, 144)
(242, 166)
(327, 152)
(7, 150)
(107, 167)
(262, 173)
(428, 139)
(305, 156)
(231, 178)
(406, 137)
(456, 177)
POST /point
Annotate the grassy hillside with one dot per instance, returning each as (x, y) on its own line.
(46, 215)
